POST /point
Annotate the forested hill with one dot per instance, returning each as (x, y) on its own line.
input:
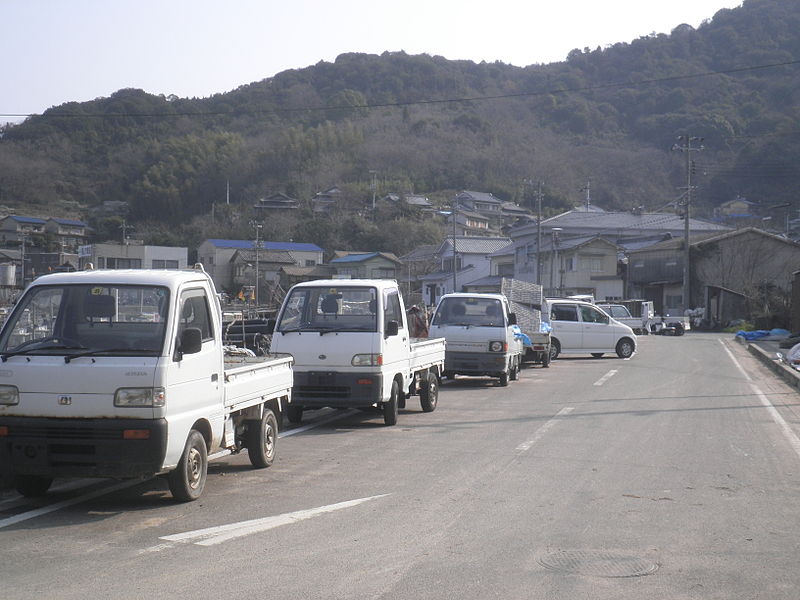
(435, 126)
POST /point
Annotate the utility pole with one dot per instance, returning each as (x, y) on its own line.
(587, 189)
(257, 226)
(373, 186)
(685, 145)
(453, 216)
(539, 234)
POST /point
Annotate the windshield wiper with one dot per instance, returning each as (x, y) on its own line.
(5, 355)
(97, 351)
(328, 329)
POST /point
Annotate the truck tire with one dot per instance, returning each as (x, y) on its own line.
(504, 379)
(429, 393)
(625, 348)
(294, 413)
(262, 437)
(514, 375)
(188, 479)
(391, 407)
(555, 349)
(32, 486)
(546, 359)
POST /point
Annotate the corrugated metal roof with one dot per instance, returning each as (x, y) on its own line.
(614, 221)
(351, 258)
(29, 220)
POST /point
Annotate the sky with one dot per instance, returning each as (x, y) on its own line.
(57, 51)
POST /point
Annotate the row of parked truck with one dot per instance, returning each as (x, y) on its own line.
(126, 374)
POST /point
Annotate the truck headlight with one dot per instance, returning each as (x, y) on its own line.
(498, 346)
(9, 395)
(127, 397)
(367, 360)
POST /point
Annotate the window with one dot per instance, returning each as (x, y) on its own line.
(593, 264)
(506, 270)
(564, 312)
(122, 263)
(310, 263)
(383, 273)
(590, 314)
(391, 310)
(164, 264)
(195, 313)
(569, 263)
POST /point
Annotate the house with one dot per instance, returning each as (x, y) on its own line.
(366, 265)
(749, 267)
(132, 256)
(327, 201)
(215, 256)
(69, 233)
(278, 201)
(412, 200)
(268, 264)
(470, 255)
(480, 202)
(13, 229)
(581, 265)
(289, 276)
(469, 223)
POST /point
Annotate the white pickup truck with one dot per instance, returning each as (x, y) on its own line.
(123, 374)
(480, 336)
(351, 347)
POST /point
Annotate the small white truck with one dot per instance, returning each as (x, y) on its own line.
(123, 374)
(480, 334)
(636, 314)
(350, 342)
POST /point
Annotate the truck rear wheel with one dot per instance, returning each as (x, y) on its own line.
(262, 437)
(32, 486)
(188, 479)
(514, 375)
(391, 407)
(429, 394)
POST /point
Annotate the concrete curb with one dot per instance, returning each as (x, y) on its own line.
(784, 371)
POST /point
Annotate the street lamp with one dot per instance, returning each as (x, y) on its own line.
(554, 258)
(257, 245)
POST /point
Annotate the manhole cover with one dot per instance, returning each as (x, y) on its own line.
(598, 563)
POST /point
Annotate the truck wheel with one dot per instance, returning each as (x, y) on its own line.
(262, 437)
(188, 479)
(555, 349)
(294, 413)
(429, 394)
(515, 370)
(32, 486)
(504, 379)
(390, 408)
(546, 359)
(625, 348)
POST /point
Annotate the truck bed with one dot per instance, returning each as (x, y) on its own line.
(253, 380)
(426, 352)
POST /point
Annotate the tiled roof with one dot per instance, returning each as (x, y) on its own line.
(481, 197)
(245, 244)
(362, 256)
(476, 245)
(29, 220)
(615, 221)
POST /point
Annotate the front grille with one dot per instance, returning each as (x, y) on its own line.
(64, 433)
(321, 391)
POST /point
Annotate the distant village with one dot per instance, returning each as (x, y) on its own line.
(735, 263)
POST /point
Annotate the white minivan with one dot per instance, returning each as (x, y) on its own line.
(583, 328)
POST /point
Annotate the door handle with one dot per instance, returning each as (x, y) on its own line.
(214, 376)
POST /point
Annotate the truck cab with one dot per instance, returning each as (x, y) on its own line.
(481, 336)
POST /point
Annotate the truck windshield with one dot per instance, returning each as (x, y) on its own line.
(71, 319)
(325, 309)
(473, 312)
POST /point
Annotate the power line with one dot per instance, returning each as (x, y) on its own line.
(590, 88)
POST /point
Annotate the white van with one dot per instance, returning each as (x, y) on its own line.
(583, 328)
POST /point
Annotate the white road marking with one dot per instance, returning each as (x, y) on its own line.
(525, 446)
(64, 504)
(223, 533)
(786, 429)
(32, 514)
(606, 377)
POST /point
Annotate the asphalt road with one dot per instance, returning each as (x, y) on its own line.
(670, 475)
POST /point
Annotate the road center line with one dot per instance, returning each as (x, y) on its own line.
(525, 446)
(606, 377)
(211, 536)
(786, 429)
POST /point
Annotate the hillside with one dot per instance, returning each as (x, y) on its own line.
(433, 126)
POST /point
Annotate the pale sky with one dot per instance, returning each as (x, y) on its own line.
(57, 51)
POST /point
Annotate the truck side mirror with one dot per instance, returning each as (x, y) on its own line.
(270, 326)
(512, 318)
(190, 342)
(392, 328)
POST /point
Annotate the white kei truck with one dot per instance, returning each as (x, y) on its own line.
(351, 346)
(123, 374)
(480, 334)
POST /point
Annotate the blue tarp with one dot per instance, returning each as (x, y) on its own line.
(763, 333)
